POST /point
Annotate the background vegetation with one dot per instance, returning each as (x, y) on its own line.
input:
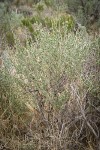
(49, 75)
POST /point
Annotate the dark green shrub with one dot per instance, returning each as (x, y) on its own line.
(48, 3)
(40, 7)
(26, 22)
(10, 38)
(31, 29)
(36, 19)
(87, 12)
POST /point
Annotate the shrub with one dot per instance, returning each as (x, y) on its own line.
(10, 21)
(40, 8)
(56, 59)
(59, 22)
(28, 23)
(87, 12)
(55, 78)
(49, 3)
(35, 19)
(10, 38)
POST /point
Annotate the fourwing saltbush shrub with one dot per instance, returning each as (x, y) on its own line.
(51, 63)
(58, 75)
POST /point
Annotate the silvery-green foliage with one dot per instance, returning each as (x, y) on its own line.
(51, 62)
